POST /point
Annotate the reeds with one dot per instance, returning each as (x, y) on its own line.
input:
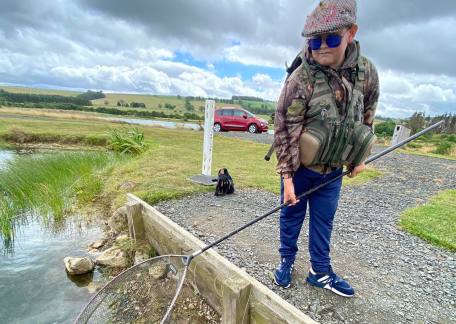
(45, 185)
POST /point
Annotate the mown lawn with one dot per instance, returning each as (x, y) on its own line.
(173, 156)
(434, 221)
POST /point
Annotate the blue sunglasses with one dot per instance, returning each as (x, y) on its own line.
(331, 40)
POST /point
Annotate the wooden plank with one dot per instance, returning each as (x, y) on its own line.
(236, 307)
(228, 289)
(135, 220)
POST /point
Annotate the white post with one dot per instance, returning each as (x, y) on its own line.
(208, 137)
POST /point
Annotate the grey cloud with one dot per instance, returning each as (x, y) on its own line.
(204, 22)
(378, 14)
(41, 39)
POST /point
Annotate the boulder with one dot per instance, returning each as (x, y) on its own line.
(113, 257)
(118, 221)
(78, 266)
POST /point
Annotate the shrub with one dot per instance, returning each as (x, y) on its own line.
(444, 148)
(385, 129)
(91, 95)
(127, 141)
(414, 145)
(451, 138)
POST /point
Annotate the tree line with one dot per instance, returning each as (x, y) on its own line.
(105, 110)
(417, 122)
(82, 99)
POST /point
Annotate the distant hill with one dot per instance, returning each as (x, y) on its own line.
(158, 103)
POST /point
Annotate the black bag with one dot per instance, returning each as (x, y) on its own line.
(225, 183)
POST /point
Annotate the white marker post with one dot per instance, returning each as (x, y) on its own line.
(206, 178)
(208, 137)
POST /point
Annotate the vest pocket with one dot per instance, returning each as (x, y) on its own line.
(362, 141)
(310, 143)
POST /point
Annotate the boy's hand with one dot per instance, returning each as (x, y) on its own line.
(357, 170)
(288, 192)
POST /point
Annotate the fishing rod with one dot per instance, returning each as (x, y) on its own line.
(153, 293)
(369, 160)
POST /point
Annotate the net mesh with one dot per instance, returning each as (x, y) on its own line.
(141, 294)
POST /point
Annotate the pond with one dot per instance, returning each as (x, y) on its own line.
(34, 286)
(5, 156)
(151, 122)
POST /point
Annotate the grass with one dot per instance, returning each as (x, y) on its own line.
(40, 91)
(434, 221)
(432, 145)
(54, 113)
(17, 135)
(172, 157)
(44, 185)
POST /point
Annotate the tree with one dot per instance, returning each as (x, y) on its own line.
(416, 122)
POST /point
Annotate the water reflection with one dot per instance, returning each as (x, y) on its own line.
(163, 123)
(5, 156)
(34, 286)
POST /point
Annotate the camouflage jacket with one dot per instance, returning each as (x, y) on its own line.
(288, 129)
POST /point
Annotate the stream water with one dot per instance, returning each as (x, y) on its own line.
(152, 122)
(34, 286)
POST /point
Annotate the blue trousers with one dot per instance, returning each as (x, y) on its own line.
(322, 208)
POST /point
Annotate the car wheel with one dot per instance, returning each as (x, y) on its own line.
(253, 128)
(217, 127)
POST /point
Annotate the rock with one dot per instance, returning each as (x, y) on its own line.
(93, 287)
(128, 185)
(78, 265)
(118, 221)
(113, 257)
(97, 244)
(158, 271)
(140, 257)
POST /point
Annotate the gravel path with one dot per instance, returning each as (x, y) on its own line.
(398, 278)
(264, 138)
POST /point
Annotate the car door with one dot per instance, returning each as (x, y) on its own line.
(239, 122)
(227, 119)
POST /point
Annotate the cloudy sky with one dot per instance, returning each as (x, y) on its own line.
(221, 48)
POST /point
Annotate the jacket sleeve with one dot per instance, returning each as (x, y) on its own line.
(371, 94)
(288, 123)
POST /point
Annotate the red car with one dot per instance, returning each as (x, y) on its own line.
(238, 119)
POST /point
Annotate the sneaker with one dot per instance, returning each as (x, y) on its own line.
(282, 275)
(330, 281)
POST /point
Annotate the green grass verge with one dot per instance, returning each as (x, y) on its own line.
(434, 221)
(439, 156)
(162, 172)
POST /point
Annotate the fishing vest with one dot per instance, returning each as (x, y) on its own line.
(329, 138)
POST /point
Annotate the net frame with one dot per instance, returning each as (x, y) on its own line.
(98, 300)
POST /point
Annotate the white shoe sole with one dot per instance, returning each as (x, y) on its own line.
(277, 284)
(337, 291)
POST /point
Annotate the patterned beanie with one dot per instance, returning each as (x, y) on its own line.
(329, 16)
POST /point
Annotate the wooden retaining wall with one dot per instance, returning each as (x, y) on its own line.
(233, 293)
